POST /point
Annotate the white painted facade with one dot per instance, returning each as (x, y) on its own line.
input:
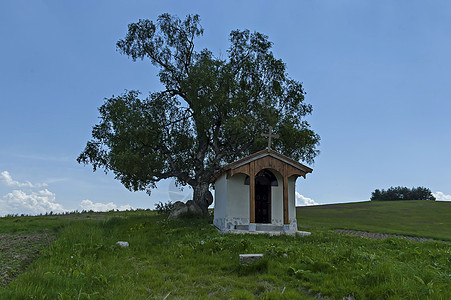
(232, 202)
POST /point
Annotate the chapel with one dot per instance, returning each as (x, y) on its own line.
(257, 193)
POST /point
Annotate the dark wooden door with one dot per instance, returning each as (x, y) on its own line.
(262, 199)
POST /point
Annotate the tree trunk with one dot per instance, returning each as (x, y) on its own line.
(202, 196)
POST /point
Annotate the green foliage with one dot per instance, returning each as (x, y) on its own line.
(211, 111)
(402, 193)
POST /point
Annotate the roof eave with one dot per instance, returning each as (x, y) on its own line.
(259, 155)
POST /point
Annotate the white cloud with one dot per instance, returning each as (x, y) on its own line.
(441, 196)
(32, 203)
(6, 178)
(89, 205)
(304, 201)
(29, 199)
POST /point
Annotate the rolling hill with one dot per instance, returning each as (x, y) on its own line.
(420, 218)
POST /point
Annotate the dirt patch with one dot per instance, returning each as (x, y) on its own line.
(381, 236)
(17, 251)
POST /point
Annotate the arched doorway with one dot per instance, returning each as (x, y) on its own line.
(263, 182)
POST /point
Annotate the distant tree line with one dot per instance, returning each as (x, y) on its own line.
(402, 193)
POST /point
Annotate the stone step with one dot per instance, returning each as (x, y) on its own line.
(261, 227)
(269, 227)
(241, 227)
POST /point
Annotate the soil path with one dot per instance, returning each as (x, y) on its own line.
(17, 251)
(382, 236)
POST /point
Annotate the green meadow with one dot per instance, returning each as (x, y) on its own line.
(189, 259)
(431, 219)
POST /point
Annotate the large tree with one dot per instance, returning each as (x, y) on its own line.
(212, 109)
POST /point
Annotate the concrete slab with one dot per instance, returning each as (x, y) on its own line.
(243, 229)
(250, 258)
(292, 233)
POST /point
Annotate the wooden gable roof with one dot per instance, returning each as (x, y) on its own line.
(264, 159)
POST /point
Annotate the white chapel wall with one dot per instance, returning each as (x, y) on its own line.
(220, 201)
(237, 212)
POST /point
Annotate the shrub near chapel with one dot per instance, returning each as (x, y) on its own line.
(402, 193)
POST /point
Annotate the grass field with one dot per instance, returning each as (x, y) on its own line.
(430, 219)
(189, 259)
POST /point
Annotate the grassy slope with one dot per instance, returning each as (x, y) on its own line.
(185, 259)
(416, 218)
(189, 259)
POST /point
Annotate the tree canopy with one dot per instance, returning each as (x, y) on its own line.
(402, 193)
(211, 111)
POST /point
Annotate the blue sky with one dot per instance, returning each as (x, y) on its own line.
(376, 72)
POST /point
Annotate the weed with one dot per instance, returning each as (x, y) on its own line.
(164, 208)
(258, 267)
